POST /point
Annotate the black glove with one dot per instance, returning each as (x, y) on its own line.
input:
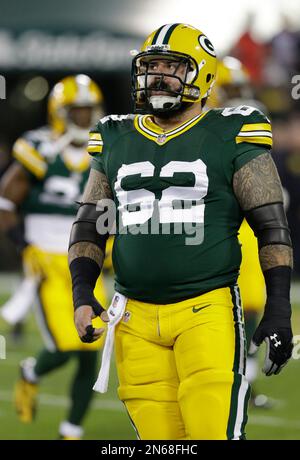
(275, 329)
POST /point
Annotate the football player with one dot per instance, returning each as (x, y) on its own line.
(182, 180)
(42, 185)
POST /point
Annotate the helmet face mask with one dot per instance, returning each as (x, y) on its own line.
(188, 82)
(145, 81)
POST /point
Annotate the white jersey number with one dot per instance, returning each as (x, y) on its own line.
(62, 191)
(244, 110)
(193, 209)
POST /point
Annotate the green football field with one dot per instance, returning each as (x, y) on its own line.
(107, 418)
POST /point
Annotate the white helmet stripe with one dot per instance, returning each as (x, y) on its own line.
(162, 34)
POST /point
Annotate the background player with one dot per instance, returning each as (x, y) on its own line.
(42, 186)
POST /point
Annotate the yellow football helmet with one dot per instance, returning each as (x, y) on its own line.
(232, 83)
(74, 91)
(183, 44)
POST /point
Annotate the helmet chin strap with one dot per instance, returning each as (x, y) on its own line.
(164, 102)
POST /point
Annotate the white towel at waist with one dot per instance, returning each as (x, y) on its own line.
(115, 313)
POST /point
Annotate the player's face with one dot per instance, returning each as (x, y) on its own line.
(165, 71)
(81, 116)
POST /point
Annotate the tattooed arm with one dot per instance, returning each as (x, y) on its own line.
(258, 190)
(97, 188)
(86, 257)
(257, 184)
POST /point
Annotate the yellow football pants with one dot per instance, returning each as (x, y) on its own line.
(55, 312)
(181, 367)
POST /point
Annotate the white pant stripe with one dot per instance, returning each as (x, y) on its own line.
(240, 409)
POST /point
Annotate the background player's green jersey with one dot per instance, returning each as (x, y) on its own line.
(57, 172)
(56, 180)
(178, 216)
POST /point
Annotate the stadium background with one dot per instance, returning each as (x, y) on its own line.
(41, 43)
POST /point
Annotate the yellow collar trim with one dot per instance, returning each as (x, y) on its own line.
(79, 167)
(146, 126)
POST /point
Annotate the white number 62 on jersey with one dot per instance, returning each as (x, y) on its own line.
(192, 212)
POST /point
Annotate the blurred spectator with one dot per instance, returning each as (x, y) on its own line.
(285, 47)
(251, 53)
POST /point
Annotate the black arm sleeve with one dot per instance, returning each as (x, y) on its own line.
(269, 224)
(84, 228)
(84, 270)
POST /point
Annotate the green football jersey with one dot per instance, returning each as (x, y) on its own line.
(178, 217)
(58, 173)
(56, 181)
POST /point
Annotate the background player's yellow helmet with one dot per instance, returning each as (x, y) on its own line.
(74, 91)
(231, 71)
(232, 83)
(179, 42)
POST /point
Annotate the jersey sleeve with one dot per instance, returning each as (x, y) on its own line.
(25, 151)
(247, 152)
(253, 138)
(103, 136)
(96, 148)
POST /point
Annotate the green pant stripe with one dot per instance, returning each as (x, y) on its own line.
(237, 332)
(233, 405)
(247, 397)
(240, 390)
(132, 422)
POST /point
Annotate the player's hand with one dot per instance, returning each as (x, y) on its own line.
(83, 321)
(275, 329)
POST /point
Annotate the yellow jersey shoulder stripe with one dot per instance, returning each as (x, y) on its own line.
(263, 140)
(255, 133)
(93, 149)
(256, 127)
(95, 137)
(95, 144)
(29, 157)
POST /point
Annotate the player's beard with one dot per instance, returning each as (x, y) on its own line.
(174, 112)
(167, 114)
